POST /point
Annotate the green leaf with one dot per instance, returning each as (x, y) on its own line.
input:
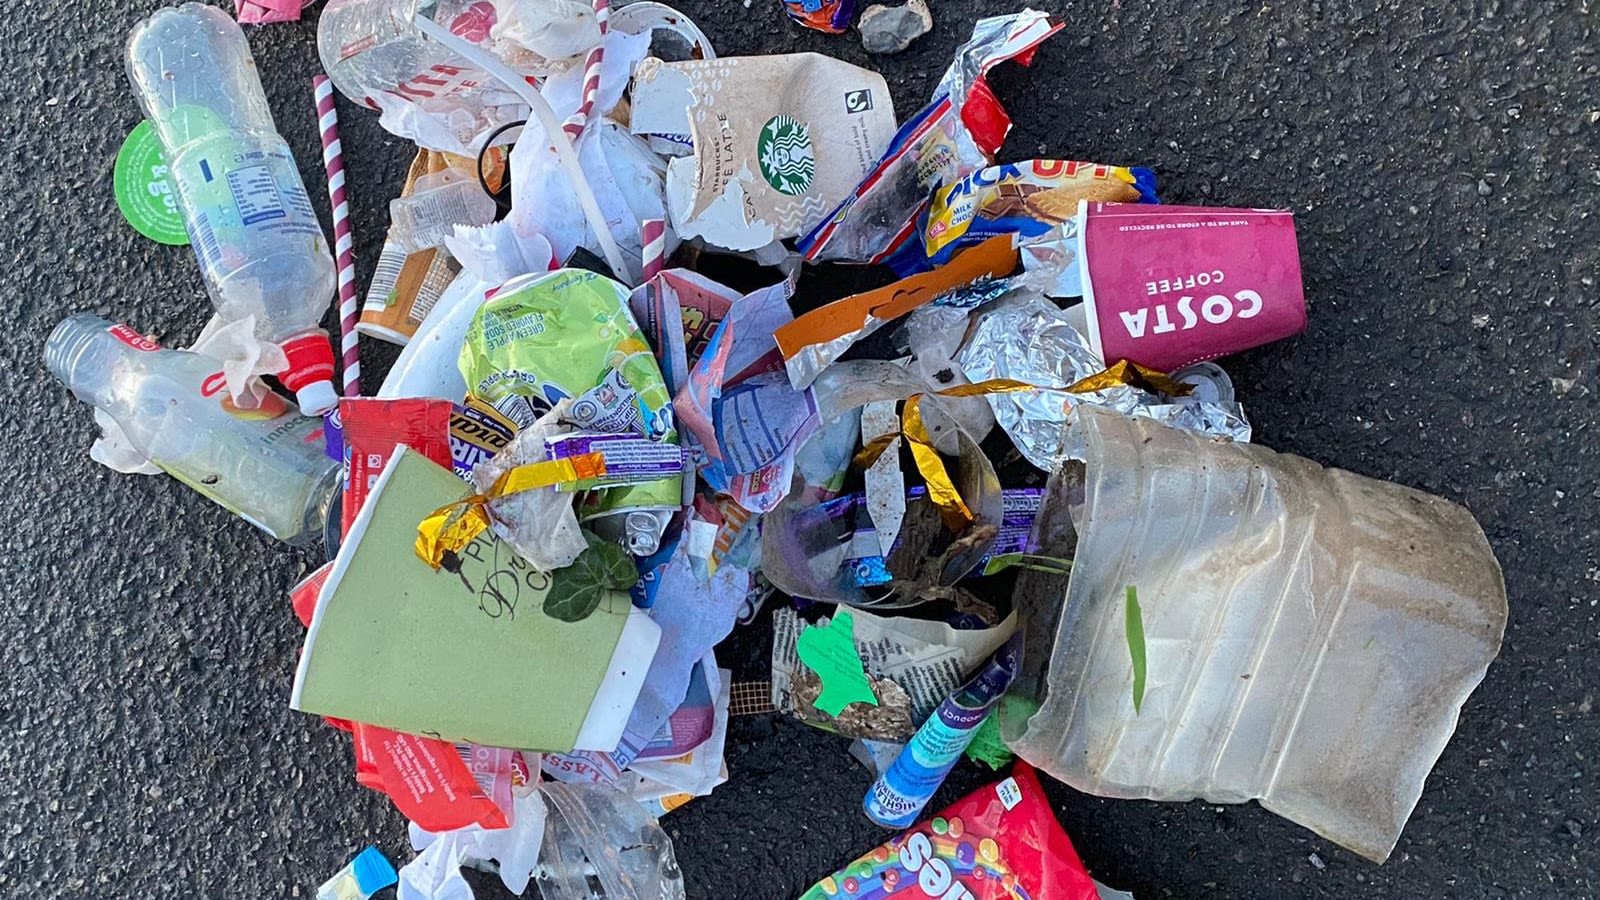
(1133, 624)
(576, 591)
(1034, 561)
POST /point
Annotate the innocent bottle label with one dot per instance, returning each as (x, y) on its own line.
(133, 339)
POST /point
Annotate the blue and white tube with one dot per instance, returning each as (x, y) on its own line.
(898, 796)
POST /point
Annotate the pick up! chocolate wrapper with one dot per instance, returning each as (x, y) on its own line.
(1170, 286)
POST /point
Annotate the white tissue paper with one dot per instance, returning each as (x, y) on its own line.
(558, 31)
(435, 874)
(628, 179)
(498, 252)
(461, 130)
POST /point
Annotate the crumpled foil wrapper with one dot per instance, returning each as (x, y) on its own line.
(1025, 337)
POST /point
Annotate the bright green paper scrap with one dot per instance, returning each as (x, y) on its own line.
(830, 651)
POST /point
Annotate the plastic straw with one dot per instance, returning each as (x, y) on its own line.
(653, 233)
(591, 74)
(333, 162)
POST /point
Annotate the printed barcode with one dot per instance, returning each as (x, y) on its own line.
(390, 262)
(484, 779)
(516, 409)
(210, 250)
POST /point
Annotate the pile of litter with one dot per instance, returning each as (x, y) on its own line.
(1003, 504)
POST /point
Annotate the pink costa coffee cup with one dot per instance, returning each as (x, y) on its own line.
(1170, 286)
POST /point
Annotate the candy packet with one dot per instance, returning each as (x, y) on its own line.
(1030, 199)
(564, 335)
(374, 427)
(827, 16)
(1000, 842)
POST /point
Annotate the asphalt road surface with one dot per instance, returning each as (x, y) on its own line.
(1443, 163)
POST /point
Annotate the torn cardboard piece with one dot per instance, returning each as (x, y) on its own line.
(828, 649)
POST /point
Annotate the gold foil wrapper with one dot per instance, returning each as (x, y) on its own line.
(451, 527)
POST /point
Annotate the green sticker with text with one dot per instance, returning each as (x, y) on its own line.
(144, 192)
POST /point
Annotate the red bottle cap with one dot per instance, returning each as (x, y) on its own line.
(310, 372)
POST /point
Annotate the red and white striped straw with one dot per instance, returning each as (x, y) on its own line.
(333, 162)
(653, 233)
(591, 73)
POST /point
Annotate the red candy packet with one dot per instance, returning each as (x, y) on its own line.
(1000, 842)
(373, 428)
(432, 782)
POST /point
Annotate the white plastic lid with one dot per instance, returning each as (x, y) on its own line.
(317, 398)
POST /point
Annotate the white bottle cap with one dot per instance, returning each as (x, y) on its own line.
(317, 397)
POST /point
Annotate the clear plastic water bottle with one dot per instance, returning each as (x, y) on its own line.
(265, 465)
(253, 228)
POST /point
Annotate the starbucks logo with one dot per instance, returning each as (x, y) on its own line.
(784, 153)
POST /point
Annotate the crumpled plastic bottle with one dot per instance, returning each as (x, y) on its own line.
(265, 465)
(254, 231)
(600, 843)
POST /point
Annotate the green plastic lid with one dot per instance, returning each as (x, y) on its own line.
(144, 193)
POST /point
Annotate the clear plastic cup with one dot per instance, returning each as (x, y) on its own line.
(1310, 634)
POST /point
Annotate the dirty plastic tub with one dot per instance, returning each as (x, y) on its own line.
(1311, 634)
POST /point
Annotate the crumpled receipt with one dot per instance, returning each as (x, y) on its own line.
(557, 31)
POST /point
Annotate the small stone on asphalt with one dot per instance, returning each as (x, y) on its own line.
(890, 29)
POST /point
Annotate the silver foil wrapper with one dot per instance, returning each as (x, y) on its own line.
(1025, 337)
